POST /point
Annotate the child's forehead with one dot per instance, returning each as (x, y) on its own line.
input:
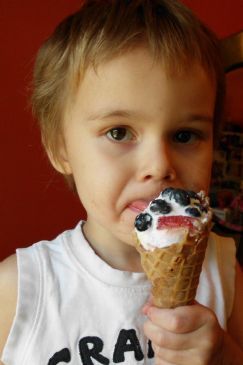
(135, 85)
(140, 60)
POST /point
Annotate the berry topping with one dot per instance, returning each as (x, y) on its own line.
(175, 221)
(167, 192)
(143, 221)
(160, 206)
(194, 212)
(193, 195)
(181, 197)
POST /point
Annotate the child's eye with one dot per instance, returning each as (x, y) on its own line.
(119, 134)
(185, 136)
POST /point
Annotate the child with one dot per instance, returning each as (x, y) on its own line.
(128, 95)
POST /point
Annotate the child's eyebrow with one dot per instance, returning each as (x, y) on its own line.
(107, 114)
(127, 114)
(200, 118)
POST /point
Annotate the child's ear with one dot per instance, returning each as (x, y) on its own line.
(59, 159)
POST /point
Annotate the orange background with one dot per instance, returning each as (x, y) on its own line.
(35, 203)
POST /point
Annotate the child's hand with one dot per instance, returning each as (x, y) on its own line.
(184, 335)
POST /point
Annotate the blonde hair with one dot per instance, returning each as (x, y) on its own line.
(103, 29)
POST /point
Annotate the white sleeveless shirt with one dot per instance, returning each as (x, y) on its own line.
(74, 308)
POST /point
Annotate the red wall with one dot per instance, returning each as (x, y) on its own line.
(34, 201)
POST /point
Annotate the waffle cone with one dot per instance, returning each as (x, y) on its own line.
(174, 270)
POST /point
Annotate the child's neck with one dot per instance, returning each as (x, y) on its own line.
(119, 255)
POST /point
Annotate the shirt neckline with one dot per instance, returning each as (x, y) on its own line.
(85, 258)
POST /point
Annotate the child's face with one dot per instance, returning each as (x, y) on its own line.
(132, 131)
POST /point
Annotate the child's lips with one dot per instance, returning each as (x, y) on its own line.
(138, 205)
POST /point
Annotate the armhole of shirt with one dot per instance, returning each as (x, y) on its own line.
(30, 292)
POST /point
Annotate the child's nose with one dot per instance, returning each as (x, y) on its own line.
(157, 163)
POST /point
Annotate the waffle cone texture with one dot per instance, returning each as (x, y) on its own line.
(174, 271)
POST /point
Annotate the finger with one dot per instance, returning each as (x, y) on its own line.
(181, 319)
(166, 356)
(166, 339)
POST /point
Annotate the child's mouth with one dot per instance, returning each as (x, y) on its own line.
(138, 206)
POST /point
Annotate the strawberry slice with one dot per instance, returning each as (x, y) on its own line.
(175, 221)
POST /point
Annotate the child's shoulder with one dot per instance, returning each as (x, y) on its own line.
(8, 275)
(8, 296)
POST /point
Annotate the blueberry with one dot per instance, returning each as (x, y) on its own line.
(194, 212)
(143, 221)
(181, 197)
(160, 206)
(192, 194)
(167, 192)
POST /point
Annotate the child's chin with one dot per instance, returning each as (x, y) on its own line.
(128, 217)
(126, 234)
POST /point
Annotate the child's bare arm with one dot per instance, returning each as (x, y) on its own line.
(8, 297)
(235, 323)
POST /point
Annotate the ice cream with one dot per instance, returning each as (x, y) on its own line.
(172, 234)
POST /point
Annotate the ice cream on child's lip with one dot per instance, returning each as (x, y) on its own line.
(170, 217)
